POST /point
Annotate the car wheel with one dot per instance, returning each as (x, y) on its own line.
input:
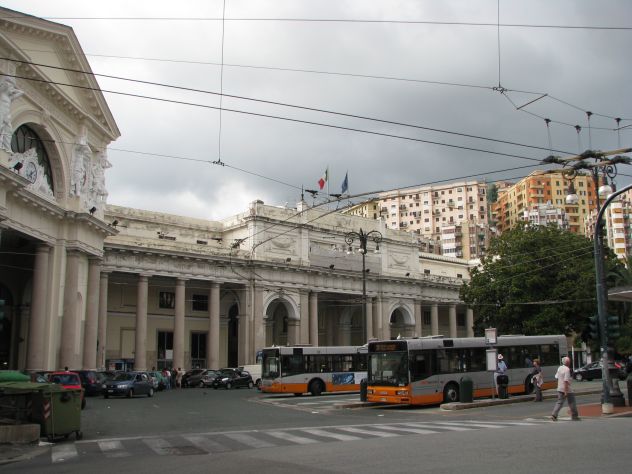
(150, 393)
(250, 384)
(579, 377)
(105, 395)
(258, 384)
(130, 393)
(229, 385)
(451, 393)
(201, 384)
(588, 379)
(316, 388)
(214, 387)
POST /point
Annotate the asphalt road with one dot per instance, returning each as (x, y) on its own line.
(201, 430)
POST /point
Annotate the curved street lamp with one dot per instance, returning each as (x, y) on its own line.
(605, 166)
(363, 238)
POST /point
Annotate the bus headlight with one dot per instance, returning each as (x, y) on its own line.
(401, 392)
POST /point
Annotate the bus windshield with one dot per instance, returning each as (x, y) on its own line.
(388, 368)
(270, 363)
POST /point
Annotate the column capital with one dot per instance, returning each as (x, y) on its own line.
(43, 247)
(181, 280)
(214, 285)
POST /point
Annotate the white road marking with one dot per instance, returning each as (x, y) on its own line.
(443, 427)
(113, 449)
(206, 444)
(479, 425)
(290, 437)
(327, 434)
(158, 445)
(250, 440)
(408, 430)
(63, 452)
(380, 434)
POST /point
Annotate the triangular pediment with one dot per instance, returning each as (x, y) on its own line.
(35, 43)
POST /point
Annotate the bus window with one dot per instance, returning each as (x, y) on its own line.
(420, 365)
(475, 360)
(449, 361)
(291, 364)
(550, 354)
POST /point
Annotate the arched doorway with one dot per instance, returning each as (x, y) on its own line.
(233, 336)
(401, 323)
(277, 324)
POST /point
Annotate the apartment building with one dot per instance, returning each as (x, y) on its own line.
(427, 210)
(541, 188)
(618, 223)
(545, 214)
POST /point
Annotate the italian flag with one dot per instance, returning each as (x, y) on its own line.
(324, 178)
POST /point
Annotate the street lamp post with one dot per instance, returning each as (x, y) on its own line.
(606, 167)
(363, 238)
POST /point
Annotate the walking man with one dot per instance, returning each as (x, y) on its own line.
(564, 391)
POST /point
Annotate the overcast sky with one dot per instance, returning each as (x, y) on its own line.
(581, 69)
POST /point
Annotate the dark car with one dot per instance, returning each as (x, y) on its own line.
(129, 384)
(593, 371)
(202, 379)
(192, 374)
(233, 378)
(91, 381)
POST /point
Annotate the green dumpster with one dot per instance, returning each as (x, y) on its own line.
(56, 409)
(60, 412)
(467, 390)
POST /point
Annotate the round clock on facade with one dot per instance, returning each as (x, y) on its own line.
(30, 171)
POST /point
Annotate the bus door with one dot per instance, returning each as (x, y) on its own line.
(423, 382)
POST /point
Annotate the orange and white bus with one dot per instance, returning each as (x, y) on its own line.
(428, 370)
(299, 370)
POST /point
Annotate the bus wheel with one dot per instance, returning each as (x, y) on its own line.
(451, 393)
(316, 388)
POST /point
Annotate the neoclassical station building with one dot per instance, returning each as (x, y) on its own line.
(92, 285)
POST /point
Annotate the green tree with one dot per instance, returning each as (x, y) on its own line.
(535, 280)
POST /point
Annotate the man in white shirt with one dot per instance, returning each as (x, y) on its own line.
(564, 391)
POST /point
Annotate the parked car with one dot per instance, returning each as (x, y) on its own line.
(255, 373)
(159, 380)
(191, 373)
(68, 379)
(129, 384)
(593, 371)
(196, 378)
(233, 378)
(208, 377)
(91, 381)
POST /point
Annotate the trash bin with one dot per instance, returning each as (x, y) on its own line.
(502, 381)
(467, 390)
(363, 390)
(58, 411)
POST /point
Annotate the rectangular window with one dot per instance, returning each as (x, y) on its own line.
(198, 349)
(164, 349)
(427, 318)
(200, 303)
(166, 300)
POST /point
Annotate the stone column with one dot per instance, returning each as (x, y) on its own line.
(434, 319)
(92, 315)
(377, 318)
(140, 349)
(37, 324)
(69, 353)
(178, 328)
(345, 335)
(418, 318)
(369, 319)
(452, 320)
(304, 326)
(313, 318)
(293, 326)
(103, 320)
(386, 320)
(212, 346)
(257, 323)
(469, 322)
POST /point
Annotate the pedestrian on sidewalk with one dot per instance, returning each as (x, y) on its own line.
(500, 377)
(564, 390)
(537, 379)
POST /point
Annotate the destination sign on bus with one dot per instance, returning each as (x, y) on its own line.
(387, 346)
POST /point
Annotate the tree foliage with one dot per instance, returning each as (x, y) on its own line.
(535, 280)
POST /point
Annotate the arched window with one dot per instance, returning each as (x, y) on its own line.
(25, 138)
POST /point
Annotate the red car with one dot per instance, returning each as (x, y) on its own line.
(68, 380)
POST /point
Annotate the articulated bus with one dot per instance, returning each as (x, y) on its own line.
(316, 370)
(428, 370)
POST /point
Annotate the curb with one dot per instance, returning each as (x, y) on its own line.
(508, 401)
(28, 452)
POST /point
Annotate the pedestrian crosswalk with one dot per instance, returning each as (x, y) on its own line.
(215, 443)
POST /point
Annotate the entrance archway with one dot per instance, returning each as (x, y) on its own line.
(402, 323)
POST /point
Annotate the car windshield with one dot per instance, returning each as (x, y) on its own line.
(65, 379)
(121, 376)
